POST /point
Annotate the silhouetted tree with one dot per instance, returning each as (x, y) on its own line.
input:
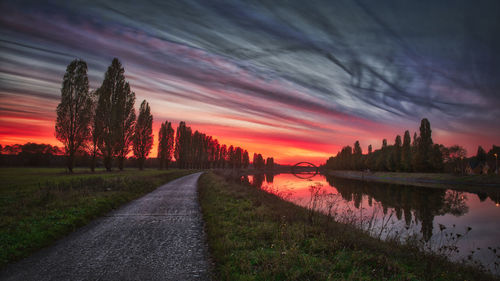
(143, 136)
(215, 153)
(406, 157)
(238, 157)
(414, 143)
(396, 154)
(481, 154)
(74, 113)
(258, 161)
(230, 157)
(34, 154)
(453, 157)
(424, 149)
(270, 163)
(115, 115)
(12, 149)
(381, 157)
(357, 156)
(223, 156)
(436, 158)
(246, 159)
(182, 144)
(198, 150)
(165, 144)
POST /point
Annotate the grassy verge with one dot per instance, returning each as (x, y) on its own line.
(40, 205)
(254, 235)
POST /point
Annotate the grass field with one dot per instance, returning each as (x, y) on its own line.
(254, 235)
(40, 205)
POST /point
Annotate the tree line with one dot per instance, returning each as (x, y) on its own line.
(417, 154)
(103, 124)
(30, 154)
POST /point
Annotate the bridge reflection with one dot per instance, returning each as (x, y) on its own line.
(304, 172)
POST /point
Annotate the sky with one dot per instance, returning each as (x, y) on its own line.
(296, 81)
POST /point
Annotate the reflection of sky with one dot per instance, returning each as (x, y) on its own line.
(482, 217)
(297, 81)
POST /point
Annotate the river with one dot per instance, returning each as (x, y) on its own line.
(460, 225)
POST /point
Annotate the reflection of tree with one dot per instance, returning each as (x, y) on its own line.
(245, 180)
(258, 179)
(269, 177)
(482, 196)
(455, 203)
(495, 197)
(425, 202)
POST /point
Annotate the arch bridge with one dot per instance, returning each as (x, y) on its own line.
(304, 175)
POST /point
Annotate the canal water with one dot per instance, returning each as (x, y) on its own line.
(462, 225)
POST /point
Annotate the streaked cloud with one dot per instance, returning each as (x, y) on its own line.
(306, 77)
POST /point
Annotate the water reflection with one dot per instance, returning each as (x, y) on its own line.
(388, 210)
(426, 203)
(269, 178)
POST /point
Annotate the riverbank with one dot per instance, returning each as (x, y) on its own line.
(467, 182)
(40, 205)
(254, 235)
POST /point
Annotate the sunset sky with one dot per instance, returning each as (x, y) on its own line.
(295, 81)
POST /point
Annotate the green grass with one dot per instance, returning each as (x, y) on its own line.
(254, 235)
(41, 205)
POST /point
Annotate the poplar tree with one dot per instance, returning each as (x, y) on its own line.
(396, 153)
(358, 154)
(223, 156)
(183, 145)
(230, 156)
(238, 157)
(246, 159)
(406, 157)
(115, 115)
(143, 136)
(165, 144)
(270, 163)
(74, 113)
(424, 148)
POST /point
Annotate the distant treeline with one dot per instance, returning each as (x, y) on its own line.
(406, 155)
(191, 150)
(31, 154)
(101, 125)
(198, 150)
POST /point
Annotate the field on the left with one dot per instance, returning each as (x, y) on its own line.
(41, 205)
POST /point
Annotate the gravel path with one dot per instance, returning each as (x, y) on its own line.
(156, 237)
